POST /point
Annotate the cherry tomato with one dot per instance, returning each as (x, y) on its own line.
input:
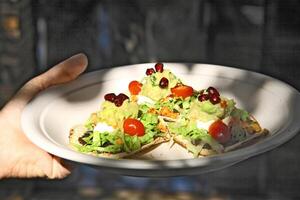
(219, 131)
(182, 91)
(135, 87)
(133, 127)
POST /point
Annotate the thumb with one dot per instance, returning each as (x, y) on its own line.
(63, 72)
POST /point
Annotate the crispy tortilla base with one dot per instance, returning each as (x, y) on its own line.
(254, 138)
(79, 130)
(184, 143)
(207, 152)
(249, 141)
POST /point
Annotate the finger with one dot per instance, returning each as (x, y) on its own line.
(58, 170)
(69, 165)
(63, 72)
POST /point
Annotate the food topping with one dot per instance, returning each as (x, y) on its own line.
(204, 125)
(117, 100)
(214, 99)
(135, 87)
(219, 131)
(150, 71)
(203, 97)
(152, 87)
(164, 82)
(143, 100)
(133, 127)
(212, 91)
(110, 97)
(211, 94)
(159, 67)
(103, 127)
(167, 112)
(182, 91)
(162, 127)
(223, 104)
(122, 96)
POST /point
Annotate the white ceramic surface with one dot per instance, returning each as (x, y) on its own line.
(48, 118)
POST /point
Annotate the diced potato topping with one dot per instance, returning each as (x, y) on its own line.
(163, 128)
(165, 111)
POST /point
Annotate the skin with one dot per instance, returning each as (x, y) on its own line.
(19, 157)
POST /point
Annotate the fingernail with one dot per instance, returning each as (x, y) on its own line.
(80, 56)
(80, 60)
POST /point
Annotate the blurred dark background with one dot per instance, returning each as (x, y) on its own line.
(259, 35)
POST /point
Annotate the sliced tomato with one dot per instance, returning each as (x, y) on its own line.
(135, 87)
(182, 91)
(133, 127)
(219, 131)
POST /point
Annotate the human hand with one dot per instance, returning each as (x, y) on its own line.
(18, 156)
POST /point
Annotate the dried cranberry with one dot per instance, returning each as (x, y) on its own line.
(110, 97)
(164, 82)
(211, 91)
(122, 96)
(214, 99)
(203, 97)
(159, 67)
(149, 71)
(118, 102)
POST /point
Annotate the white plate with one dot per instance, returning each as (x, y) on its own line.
(48, 118)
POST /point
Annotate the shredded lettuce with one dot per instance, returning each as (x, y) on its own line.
(117, 141)
(190, 131)
(132, 143)
(177, 104)
(240, 114)
(101, 142)
(96, 138)
(229, 108)
(150, 122)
